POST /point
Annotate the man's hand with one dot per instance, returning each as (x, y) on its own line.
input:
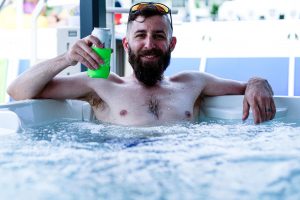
(82, 52)
(259, 96)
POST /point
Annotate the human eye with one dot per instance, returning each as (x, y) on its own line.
(159, 36)
(140, 35)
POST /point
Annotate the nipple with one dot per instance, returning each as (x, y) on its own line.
(123, 113)
(188, 114)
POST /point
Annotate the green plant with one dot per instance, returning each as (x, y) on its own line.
(214, 9)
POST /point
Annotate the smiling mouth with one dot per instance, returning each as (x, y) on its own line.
(149, 57)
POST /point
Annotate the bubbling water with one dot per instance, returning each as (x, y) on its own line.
(207, 160)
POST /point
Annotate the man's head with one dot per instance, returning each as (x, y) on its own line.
(149, 41)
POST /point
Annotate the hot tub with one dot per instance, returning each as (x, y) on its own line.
(53, 149)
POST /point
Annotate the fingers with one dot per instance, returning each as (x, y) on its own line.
(268, 112)
(85, 62)
(92, 40)
(269, 108)
(273, 107)
(256, 111)
(89, 55)
(257, 114)
(263, 110)
(82, 52)
(85, 56)
(259, 96)
(246, 108)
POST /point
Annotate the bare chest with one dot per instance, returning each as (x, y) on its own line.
(140, 108)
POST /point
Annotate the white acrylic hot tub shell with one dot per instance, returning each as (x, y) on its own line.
(31, 113)
(231, 107)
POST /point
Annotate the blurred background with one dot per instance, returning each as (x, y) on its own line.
(234, 39)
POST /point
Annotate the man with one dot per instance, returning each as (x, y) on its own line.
(146, 97)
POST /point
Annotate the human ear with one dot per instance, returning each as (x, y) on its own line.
(125, 44)
(173, 43)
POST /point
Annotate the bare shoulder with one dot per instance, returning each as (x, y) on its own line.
(111, 80)
(187, 76)
(100, 88)
(115, 78)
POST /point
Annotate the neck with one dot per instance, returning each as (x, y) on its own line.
(133, 77)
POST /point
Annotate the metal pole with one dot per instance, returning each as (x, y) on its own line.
(35, 14)
(92, 14)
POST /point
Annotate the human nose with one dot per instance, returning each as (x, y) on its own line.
(149, 43)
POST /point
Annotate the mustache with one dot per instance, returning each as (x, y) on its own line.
(155, 52)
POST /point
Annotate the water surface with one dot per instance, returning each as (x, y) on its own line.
(208, 160)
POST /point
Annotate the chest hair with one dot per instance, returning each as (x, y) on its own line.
(154, 106)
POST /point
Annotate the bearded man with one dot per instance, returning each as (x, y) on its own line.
(145, 97)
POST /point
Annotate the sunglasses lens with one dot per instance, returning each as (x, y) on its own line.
(134, 8)
(160, 7)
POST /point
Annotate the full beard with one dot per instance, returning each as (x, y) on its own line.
(149, 72)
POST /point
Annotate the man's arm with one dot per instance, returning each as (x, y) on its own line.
(257, 93)
(39, 81)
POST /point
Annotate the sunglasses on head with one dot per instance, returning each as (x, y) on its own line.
(163, 9)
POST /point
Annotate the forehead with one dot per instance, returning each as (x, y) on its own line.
(153, 23)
